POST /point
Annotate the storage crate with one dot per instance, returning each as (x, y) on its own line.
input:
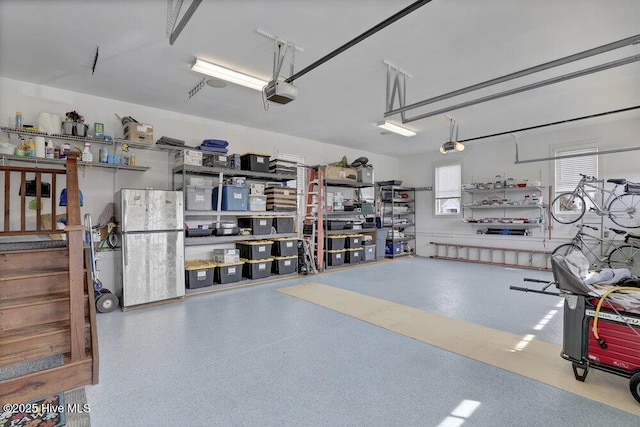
(233, 198)
(336, 225)
(258, 224)
(283, 167)
(281, 198)
(335, 257)
(256, 189)
(284, 246)
(257, 203)
(226, 256)
(354, 241)
(199, 181)
(228, 273)
(284, 224)
(215, 160)
(369, 253)
(188, 157)
(198, 198)
(255, 250)
(198, 273)
(336, 242)
(257, 269)
(393, 248)
(353, 256)
(365, 174)
(285, 265)
(254, 162)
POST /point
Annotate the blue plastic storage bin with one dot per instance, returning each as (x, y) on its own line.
(393, 248)
(234, 198)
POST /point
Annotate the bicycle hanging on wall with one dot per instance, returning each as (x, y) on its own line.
(613, 253)
(622, 208)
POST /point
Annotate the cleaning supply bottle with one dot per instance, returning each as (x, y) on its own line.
(18, 120)
(31, 152)
(86, 154)
(104, 155)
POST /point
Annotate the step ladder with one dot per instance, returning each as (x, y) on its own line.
(314, 218)
(473, 253)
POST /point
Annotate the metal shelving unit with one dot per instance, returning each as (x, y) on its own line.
(71, 138)
(401, 222)
(503, 205)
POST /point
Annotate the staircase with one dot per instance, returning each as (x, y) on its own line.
(47, 309)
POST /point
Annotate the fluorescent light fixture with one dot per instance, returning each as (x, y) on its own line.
(226, 74)
(396, 129)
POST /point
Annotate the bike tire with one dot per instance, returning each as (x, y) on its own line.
(624, 210)
(625, 256)
(567, 208)
(565, 249)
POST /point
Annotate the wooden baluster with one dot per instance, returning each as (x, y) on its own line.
(54, 201)
(38, 200)
(7, 198)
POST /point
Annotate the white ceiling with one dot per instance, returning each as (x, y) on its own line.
(445, 45)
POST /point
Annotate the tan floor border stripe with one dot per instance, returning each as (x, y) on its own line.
(539, 360)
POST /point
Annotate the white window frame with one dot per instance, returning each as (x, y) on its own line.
(452, 193)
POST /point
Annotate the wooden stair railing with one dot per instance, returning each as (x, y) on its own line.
(68, 298)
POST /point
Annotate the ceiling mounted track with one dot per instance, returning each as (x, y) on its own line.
(174, 31)
(404, 12)
(555, 63)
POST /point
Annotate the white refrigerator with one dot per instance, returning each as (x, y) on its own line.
(152, 226)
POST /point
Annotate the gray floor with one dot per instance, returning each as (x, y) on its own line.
(255, 356)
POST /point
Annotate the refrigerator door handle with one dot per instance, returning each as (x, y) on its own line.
(124, 254)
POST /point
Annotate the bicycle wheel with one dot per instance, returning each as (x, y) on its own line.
(625, 256)
(624, 210)
(565, 249)
(567, 208)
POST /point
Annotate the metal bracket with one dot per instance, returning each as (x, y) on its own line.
(396, 86)
(196, 89)
(281, 47)
(172, 17)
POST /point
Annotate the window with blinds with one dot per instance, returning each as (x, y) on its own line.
(448, 183)
(568, 170)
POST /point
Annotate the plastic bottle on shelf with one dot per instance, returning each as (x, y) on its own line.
(31, 152)
(18, 120)
(86, 154)
(49, 149)
(132, 159)
(104, 155)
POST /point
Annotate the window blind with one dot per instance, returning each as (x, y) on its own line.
(448, 181)
(568, 170)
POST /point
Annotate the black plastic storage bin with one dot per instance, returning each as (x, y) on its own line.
(284, 224)
(285, 246)
(353, 256)
(255, 250)
(215, 160)
(285, 265)
(336, 225)
(198, 273)
(354, 241)
(254, 162)
(257, 269)
(259, 225)
(335, 257)
(336, 242)
(228, 273)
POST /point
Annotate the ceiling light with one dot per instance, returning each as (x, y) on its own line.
(452, 144)
(226, 74)
(396, 129)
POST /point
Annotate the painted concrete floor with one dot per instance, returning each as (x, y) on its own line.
(255, 356)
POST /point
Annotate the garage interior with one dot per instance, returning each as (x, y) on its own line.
(505, 104)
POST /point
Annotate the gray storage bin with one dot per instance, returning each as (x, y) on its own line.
(198, 198)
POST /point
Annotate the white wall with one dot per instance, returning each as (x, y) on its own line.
(484, 159)
(99, 184)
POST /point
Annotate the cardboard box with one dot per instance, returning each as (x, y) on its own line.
(342, 174)
(139, 132)
(189, 157)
